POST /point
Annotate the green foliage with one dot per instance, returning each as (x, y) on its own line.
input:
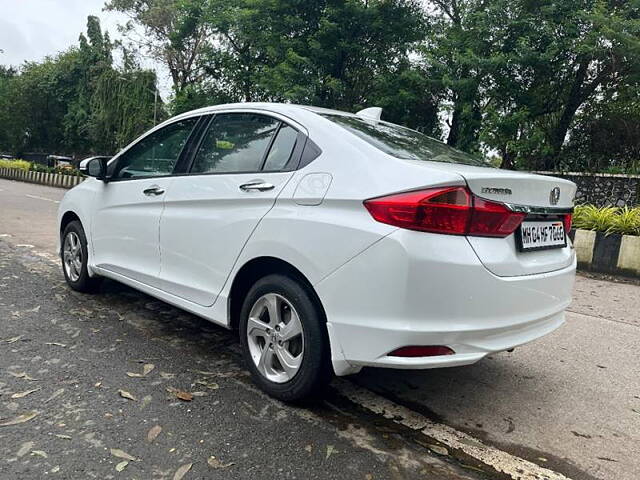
(76, 102)
(15, 164)
(545, 84)
(625, 221)
(60, 170)
(338, 54)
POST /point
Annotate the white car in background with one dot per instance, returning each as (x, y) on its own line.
(330, 241)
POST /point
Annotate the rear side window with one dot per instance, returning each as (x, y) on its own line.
(235, 142)
(156, 154)
(281, 149)
(404, 143)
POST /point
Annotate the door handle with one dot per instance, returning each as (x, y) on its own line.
(260, 186)
(153, 190)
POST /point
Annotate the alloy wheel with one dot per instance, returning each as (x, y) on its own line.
(275, 338)
(72, 256)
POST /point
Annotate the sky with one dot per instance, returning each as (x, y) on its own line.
(33, 29)
(30, 30)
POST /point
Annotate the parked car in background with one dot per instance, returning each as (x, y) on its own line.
(330, 241)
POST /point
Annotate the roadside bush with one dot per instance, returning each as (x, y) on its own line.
(61, 170)
(17, 164)
(625, 221)
(36, 167)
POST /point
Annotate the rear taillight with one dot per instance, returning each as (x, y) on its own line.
(449, 210)
(567, 219)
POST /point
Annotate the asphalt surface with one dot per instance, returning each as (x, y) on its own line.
(89, 377)
(570, 401)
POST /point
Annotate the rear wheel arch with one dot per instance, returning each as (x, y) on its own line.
(254, 270)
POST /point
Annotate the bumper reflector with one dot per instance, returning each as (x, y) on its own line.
(421, 351)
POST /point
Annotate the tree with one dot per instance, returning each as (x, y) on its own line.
(554, 59)
(335, 53)
(174, 34)
(75, 102)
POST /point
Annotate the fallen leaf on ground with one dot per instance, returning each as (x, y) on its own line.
(55, 469)
(121, 466)
(438, 449)
(153, 433)
(56, 394)
(24, 394)
(215, 463)
(145, 401)
(180, 394)
(39, 453)
(24, 449)
(13, 339)
(56, 344)
(185, 396)
(330, 450)
(24, 375)
(64, 437)
(25, 417)
(116, 452)
(182, 471)
(308, 448)
(34, 310)
(146, 370)
(127, 395)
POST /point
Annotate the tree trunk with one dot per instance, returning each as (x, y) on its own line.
(454, 130)
(559, 132)
(507, 159)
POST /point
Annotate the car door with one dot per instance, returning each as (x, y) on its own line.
(242, 164)
(126, 220)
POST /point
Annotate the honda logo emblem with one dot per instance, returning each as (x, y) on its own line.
(554, 197)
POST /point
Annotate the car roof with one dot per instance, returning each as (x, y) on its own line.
(267, 106)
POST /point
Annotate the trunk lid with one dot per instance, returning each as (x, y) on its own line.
(501, 256)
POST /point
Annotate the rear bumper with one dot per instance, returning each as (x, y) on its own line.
(415, 288)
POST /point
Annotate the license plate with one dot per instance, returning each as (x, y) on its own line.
(540, 235)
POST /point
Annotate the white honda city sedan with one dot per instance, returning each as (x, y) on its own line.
(329, 240)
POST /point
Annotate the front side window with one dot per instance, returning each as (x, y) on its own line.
(235, 142)
(404, 143)
(156, 154)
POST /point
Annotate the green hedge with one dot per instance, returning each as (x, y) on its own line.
(17, 164)
(625, 221)
(36, 167)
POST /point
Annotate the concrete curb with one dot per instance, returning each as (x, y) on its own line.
(617, 254)
(42, 178)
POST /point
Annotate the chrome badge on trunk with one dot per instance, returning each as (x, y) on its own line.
(497, 191)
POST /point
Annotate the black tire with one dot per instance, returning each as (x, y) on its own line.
(315, 371)
(84, 283)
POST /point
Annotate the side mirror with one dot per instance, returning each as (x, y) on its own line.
(97, 168)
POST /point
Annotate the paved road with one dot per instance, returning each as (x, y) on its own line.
(570, 402)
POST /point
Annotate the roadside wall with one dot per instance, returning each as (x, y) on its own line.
(50, 179)
(604, 190)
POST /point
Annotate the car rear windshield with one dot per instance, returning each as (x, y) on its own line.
(404, 143)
